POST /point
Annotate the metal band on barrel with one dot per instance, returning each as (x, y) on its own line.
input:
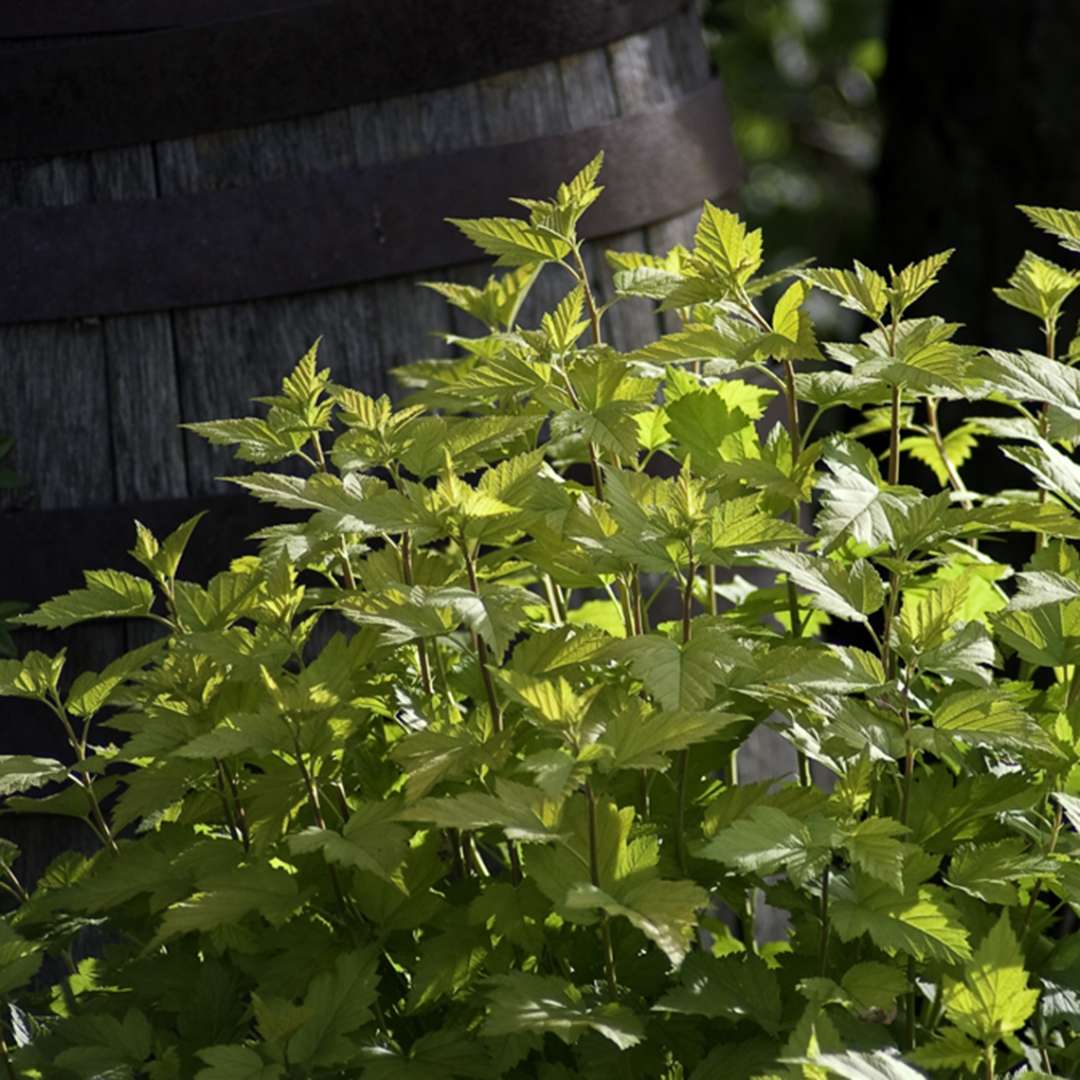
(292, 60)
(340, 228)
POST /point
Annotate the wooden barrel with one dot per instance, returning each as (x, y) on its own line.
(192, 191)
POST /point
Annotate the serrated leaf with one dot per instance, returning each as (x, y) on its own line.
(994, 999)
(875, 1065)
(339, 1002)
(1063, 224)
(732, 988)
(533, 1003)
(109, 594)
(874, 848)
(987, 718)
(19, 773)
(915, 279)
(1038, 287)
(1053, 471)
(666, 912)
(513, 242)
(989, 872)
(848, 591)
(767, 840)
(725, 248)
(447, 964)
(854, 501)
(923, 925)
(678, 676)
(862, 289)
(236, 1063)
(638, 741)
(256, 441)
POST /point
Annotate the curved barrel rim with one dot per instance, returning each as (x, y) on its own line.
(139, 88)
(325, 230)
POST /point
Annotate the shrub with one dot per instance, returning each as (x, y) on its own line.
(428, 789)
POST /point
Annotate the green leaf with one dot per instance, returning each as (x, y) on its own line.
(724, 248)
(727, 345)
(989, 871)
(851, 591)
(1053, 470)
(338, 1003)
(1063, 224)
(256, 440)
(524, 813)
(19, 959)
(1038, 287)
(666, 912)
(236, 1063)
(928, 615)
(705, 427)
(226, 898)
(34, 677)
(874, 848)
(369, 841)
(521, 1003)
(497, 614)
(733, 988)
(20, 773)
(862, 289)
(109, 594)
(955, 449)
(875, 1065)
(448, 964)
(923, 925)
(637, 740)
(513, 242)
(987, 718)
(873, 985)
(854, 501)
(952, 1049)
(768, 840)
(438, 1055)
(564, 326)
(994, 999)
(914, 280)
(679, 677)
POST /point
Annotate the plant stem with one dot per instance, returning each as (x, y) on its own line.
(234, 829)
(590, 300)
(594, 877)
(421, 645)
(894, 438)
(909, 748)
(683, 760)
(79, 746)
(950, 469)
(1036, 888)
(241, 813)
(553, 603)
(823, 945)
(5, 1057)
(481, 645)
(909, 1019)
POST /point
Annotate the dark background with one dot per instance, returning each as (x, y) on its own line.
(887, 131)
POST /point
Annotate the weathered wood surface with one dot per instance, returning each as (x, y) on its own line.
(116, 388)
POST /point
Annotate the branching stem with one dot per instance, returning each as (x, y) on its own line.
(594, 877)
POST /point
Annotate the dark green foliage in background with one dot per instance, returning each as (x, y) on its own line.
(802, 81)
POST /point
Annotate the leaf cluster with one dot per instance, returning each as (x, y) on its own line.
(443, 783)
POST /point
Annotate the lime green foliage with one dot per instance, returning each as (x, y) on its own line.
(427, 789)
